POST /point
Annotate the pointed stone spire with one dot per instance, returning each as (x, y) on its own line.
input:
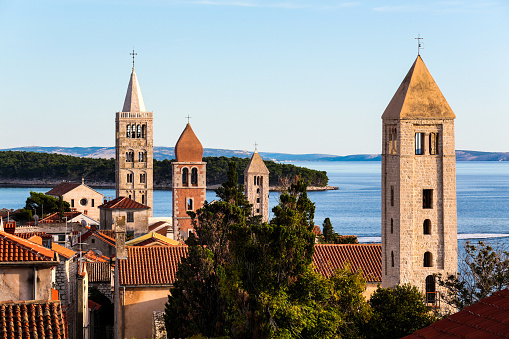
(418, 97)
(133, 99)
(256, 165)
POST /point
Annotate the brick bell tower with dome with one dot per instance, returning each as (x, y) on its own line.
(189, 183)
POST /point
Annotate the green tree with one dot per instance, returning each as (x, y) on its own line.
(41, 204)
(331, 237)
(397, 312)
(483, 269)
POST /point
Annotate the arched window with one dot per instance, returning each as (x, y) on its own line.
(129, 177)
(185, 177)
(426, 227)
(428, 259)
(194, 176)
(257, 190)
(133, 131)
(128, 131)
(258, 180)
(129, 156)
(143, 178)
(189, 204)
(144, 131)
(142, 156)
(392, 259)
(392, 225)
(143, 198)
(430, 289)
(254, 180)
(138, 132)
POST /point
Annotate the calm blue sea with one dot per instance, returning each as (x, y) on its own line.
(482, 192)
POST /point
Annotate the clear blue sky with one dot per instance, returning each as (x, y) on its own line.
(296, 76)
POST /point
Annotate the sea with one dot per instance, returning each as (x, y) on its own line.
(354, 208)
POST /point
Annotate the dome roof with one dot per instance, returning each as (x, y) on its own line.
(188, 147)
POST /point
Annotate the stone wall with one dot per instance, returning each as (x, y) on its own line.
(65, 284)
(158, 327)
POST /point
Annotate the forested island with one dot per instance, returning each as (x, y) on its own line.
(35, 169)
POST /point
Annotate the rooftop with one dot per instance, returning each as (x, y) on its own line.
(98, 272)
(188, 147)
(122, 203)
(63, 188)
(151, 238)
(16, 249)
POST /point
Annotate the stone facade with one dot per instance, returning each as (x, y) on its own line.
(134, 148)
(256, 186)
(419, 236)
(65, 283)
(85, 200)
(137, 226)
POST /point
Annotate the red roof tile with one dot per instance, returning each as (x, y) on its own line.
(61, 250)
(63, 188)
(317, 230)
(90, 256)
(366, 257)
(28, 235)
(488, 318)
(123, 203)
(32, 319)
(159, 228)
(98, 271)
(150, 265)
(15, 249)
(101, 236)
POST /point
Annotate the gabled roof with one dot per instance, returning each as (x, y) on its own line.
(366, 257)
(93, 233)
(133, 99)
(160, 227)
(32, 319)
(99, 271)
(61, 250)
(256, 165)
(418, 97)
(188, 147)
(150, 266)
(90, 256)
(15, 249)
(123, 203)
(488, 318)
(150, 238)
(63, 188)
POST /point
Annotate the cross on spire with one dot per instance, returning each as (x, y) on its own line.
(419, 45)
(188, 117)
(133, 54)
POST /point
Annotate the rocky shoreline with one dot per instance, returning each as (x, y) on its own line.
(109, 185)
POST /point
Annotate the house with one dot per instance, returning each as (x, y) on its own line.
(163, 227)
(96, 241)
(72, 216)
(80, 196)
(367, 258)
(32, 319)
(100, 276)
(485, 319)
(152, 239)
(142, 285)
(135, 214)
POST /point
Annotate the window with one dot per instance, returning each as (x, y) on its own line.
(257, 210)
(61, 237)
(392, 195)
(143, 178)
(142, 156)
(144, 131)
(257, 190)
(258, 180)
(428, 259)
(426, 227)
(143, 198)
(93, 203)
(194, 176)
(419, 143)
(130, 216)
(189, 204)
(258, 200)
(133, 131)
(427, 198)
(138, 132)
(129, 156)
(254, 180)
(72, 202)
(128, 131)
(130, 196)
(433, 143)
(430, 289)
(393, 136)
(93, 241)
(392, 226)
(392, 259)
(129, 177)
(185, 175)
(83, 202)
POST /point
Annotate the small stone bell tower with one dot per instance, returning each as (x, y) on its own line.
(134, 148)
(256, 186)
(189, 182)
(419, 236)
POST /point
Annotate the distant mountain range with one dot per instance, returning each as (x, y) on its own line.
(161, 153)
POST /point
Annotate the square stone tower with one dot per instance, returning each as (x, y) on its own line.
(419, 236)
(189, 182)
(256, 186)
(134, 148)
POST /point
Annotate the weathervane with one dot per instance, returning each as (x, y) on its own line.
(419, 45)
(188, 117)
(133, 54)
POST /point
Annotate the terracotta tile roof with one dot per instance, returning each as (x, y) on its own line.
(188, 147)
(367, 257)
(317, 230)
(108, 233)
(32, 319)
(63, 188)
(61, 250)
(160, 227)
(488, 318)
(99, 271)
(150, 238)
(101, 236)
(28, 235)
(15, 249)
(90, 256)
(122, 203)
(149, 266)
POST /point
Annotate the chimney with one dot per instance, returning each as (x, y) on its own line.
(120, 229)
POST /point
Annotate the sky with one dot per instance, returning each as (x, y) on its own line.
(293, 76)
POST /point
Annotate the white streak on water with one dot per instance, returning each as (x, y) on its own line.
(460, 237)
